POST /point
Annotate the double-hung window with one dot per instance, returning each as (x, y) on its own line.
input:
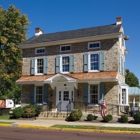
(39, 94)
(65, 63)
(123, 96)
(94, 62)
(65, 48)
(93, 94)
(39, 66)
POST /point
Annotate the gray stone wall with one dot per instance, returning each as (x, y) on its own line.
(109, 47)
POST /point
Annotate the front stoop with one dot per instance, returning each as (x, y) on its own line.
(53, 116)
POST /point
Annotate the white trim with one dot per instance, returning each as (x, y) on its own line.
(124, 87)
(69, 41)
(94, 43)
(89, 63)
(64, 46)
(40, 49)
(36, 58)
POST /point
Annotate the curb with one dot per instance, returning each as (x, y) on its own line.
(68, 129)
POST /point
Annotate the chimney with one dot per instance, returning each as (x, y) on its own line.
(38, 31)
(118, 20)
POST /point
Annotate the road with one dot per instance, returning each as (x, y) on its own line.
(8, 133)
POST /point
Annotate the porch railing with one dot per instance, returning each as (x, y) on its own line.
(69, 106)
(58, 106)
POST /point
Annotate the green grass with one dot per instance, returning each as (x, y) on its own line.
(5, 117)
(6, 122)
(96, 127)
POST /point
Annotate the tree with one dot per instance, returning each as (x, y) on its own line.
(13, 30)
(131, 79)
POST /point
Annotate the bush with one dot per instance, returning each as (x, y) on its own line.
(17, 112)
(107, 118)
(29, 112)
(75, 115)
(137, 117)
(37, 109)
(90, 117)
(124, 118)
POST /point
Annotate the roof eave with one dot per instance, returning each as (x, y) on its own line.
(74, 40)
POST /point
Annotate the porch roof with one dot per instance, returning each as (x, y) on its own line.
(78, 76)
(134, 91)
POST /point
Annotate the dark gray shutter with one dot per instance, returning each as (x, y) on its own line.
(32, 94)
(85, 62)
(85, 98)
(101, 63)
(33, 66)
(102, 92)
(45, 94)
(57, 64)
(71, 63)
(45, 65)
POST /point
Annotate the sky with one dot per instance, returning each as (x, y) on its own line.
(61, 15)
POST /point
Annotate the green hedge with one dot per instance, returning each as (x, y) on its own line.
(90, 117)
(75, 115)
(17, 112)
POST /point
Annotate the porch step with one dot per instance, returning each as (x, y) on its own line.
(53, 116)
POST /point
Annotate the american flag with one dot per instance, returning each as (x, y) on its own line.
(103, 108)
(133, 105)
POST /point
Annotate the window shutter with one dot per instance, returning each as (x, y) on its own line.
(32, 95)
(71, 63)
(57, 64)
(101, 64)
(119, 63)
(102, 92)
(45, 65)
(33, 66)
(45, 94)
(85, 62)
(85, 98)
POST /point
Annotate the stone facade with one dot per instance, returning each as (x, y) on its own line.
(109, 47)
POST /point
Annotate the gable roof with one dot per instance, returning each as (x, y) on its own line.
(79, 33)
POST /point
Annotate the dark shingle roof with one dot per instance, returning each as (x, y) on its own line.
(86, 32)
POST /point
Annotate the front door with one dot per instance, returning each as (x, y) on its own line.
(64, 98)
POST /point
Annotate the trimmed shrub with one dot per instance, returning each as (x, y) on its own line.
(17, 112)
(137, 117)
(75, 115)
(29, 112)
(107, 118)
(124, 118)
(90, 117)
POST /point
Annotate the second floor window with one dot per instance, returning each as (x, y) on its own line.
(65, 63)
(39, 65)
(94, 62)
(93, 45)
(65, 48)
(39, 50)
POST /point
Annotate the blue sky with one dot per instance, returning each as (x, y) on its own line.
(61, 15)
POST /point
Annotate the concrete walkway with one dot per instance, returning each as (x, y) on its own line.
(48, 123)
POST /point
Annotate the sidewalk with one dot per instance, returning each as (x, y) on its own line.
(49, 123)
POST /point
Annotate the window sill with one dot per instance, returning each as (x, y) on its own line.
(39, 74)
(93, 71)
(93, 104)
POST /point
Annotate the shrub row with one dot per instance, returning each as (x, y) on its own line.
(28, 111)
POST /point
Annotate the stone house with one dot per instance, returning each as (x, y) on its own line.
(74, 69)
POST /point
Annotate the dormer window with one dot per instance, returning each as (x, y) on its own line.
(39, 50)
(93, 45)
(65, 48)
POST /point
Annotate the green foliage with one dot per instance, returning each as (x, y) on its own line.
(75, 115)
(107, 118)
(90, 117)
(131, 79)
(36, 112)
(137, 117)
(17, 112)
(28, 112)
(124, 118)
(13, 29)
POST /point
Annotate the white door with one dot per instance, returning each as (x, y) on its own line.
(65, 97)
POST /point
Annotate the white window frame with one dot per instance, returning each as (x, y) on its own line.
(61, 63)
(93, 104)
(36, 65)
(126, 88)
(94, 43)
(36, 49)
(64, 46)
(89, 64)
(35, 94)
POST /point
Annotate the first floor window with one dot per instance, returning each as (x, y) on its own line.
(39, 94)
(94, 94)
(94, 62)
(123, 96)
(39, 65)
(65, 64)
